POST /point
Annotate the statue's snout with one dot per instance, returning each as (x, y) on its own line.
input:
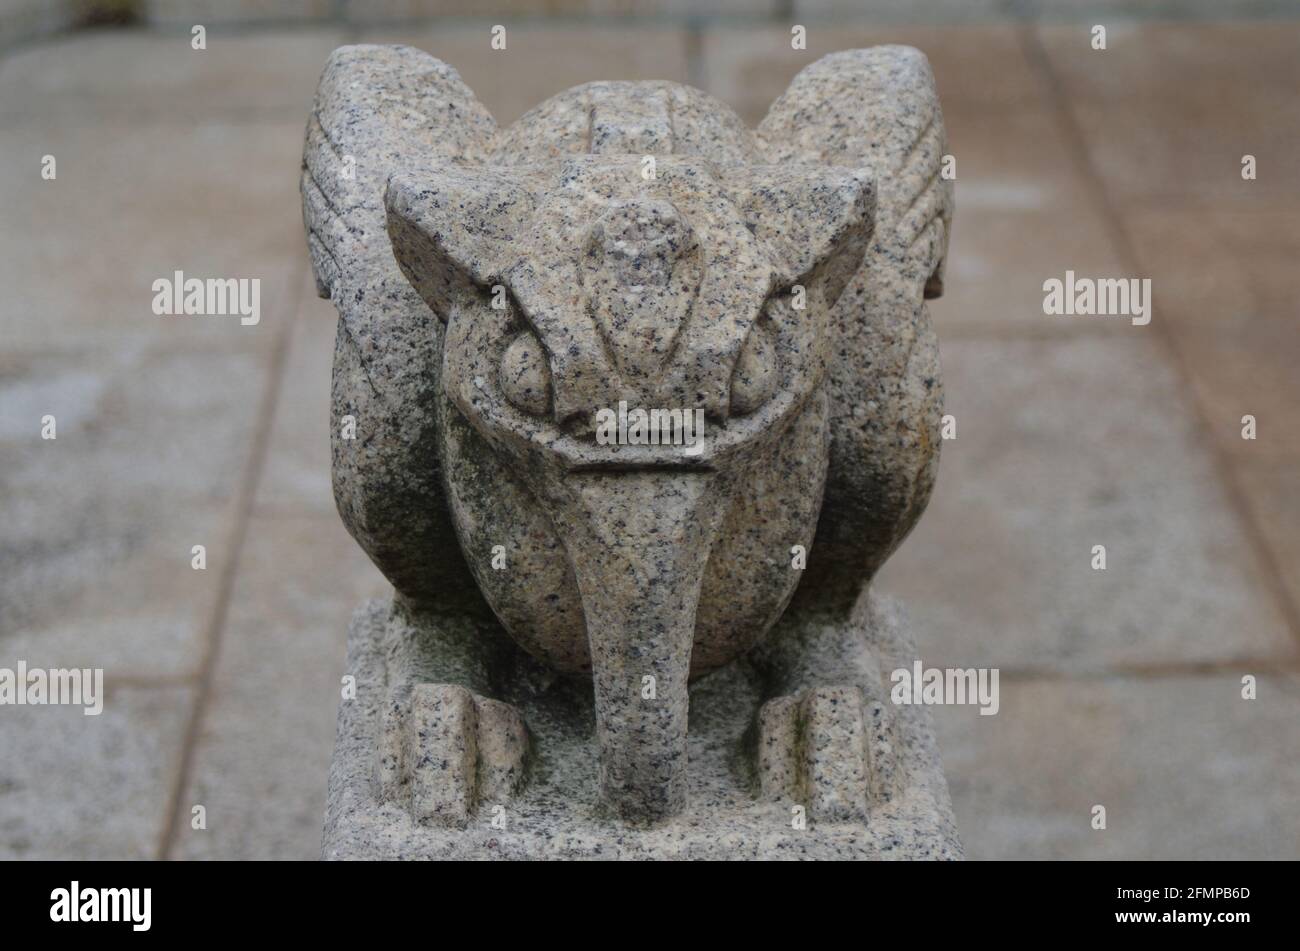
(639, 542)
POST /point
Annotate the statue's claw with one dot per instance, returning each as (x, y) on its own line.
(445, 750)
(828, 748)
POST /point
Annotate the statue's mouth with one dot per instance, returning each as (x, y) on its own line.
(673, 464)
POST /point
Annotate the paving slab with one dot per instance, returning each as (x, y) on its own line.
(1252, 371)
(906, 11)
(90, 787)
(101, 521)
(1224, 283)
(262, 760)
(242, 12)
(23, 20)
(1270, 489)
(1169, 109)
(1185, 768)
(133, 204)
(369, 12)
(1092, 11)
(141, 74)
(1063, 445)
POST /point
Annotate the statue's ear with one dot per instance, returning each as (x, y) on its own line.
(814, 220)
(451, 228)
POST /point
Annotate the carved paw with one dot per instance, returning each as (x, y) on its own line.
(444, 750)
(829, 748)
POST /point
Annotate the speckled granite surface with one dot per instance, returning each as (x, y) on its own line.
(560, 814)
(634, 245)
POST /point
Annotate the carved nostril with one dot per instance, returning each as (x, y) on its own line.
(754, 379)
(526, 375)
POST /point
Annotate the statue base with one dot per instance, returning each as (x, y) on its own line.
(558, 814)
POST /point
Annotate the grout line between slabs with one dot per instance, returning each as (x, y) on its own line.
(1277, 666)
(245, 507)
(237, 536)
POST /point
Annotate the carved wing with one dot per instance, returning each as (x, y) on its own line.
(876, 108)
(380, 110)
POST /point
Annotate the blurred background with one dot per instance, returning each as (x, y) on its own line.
(1120, 687)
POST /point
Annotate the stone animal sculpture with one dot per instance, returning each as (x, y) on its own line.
(630, 243)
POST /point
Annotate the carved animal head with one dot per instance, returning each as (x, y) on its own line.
(567, 291)
(593, 291)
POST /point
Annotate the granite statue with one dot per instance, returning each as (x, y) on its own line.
(630, 404)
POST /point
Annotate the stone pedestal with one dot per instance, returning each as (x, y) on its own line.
(559, 814)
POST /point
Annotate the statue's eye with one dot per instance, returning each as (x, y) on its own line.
(526, 375)
(754, 379)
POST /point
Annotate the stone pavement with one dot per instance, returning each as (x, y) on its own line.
(1119, 687)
